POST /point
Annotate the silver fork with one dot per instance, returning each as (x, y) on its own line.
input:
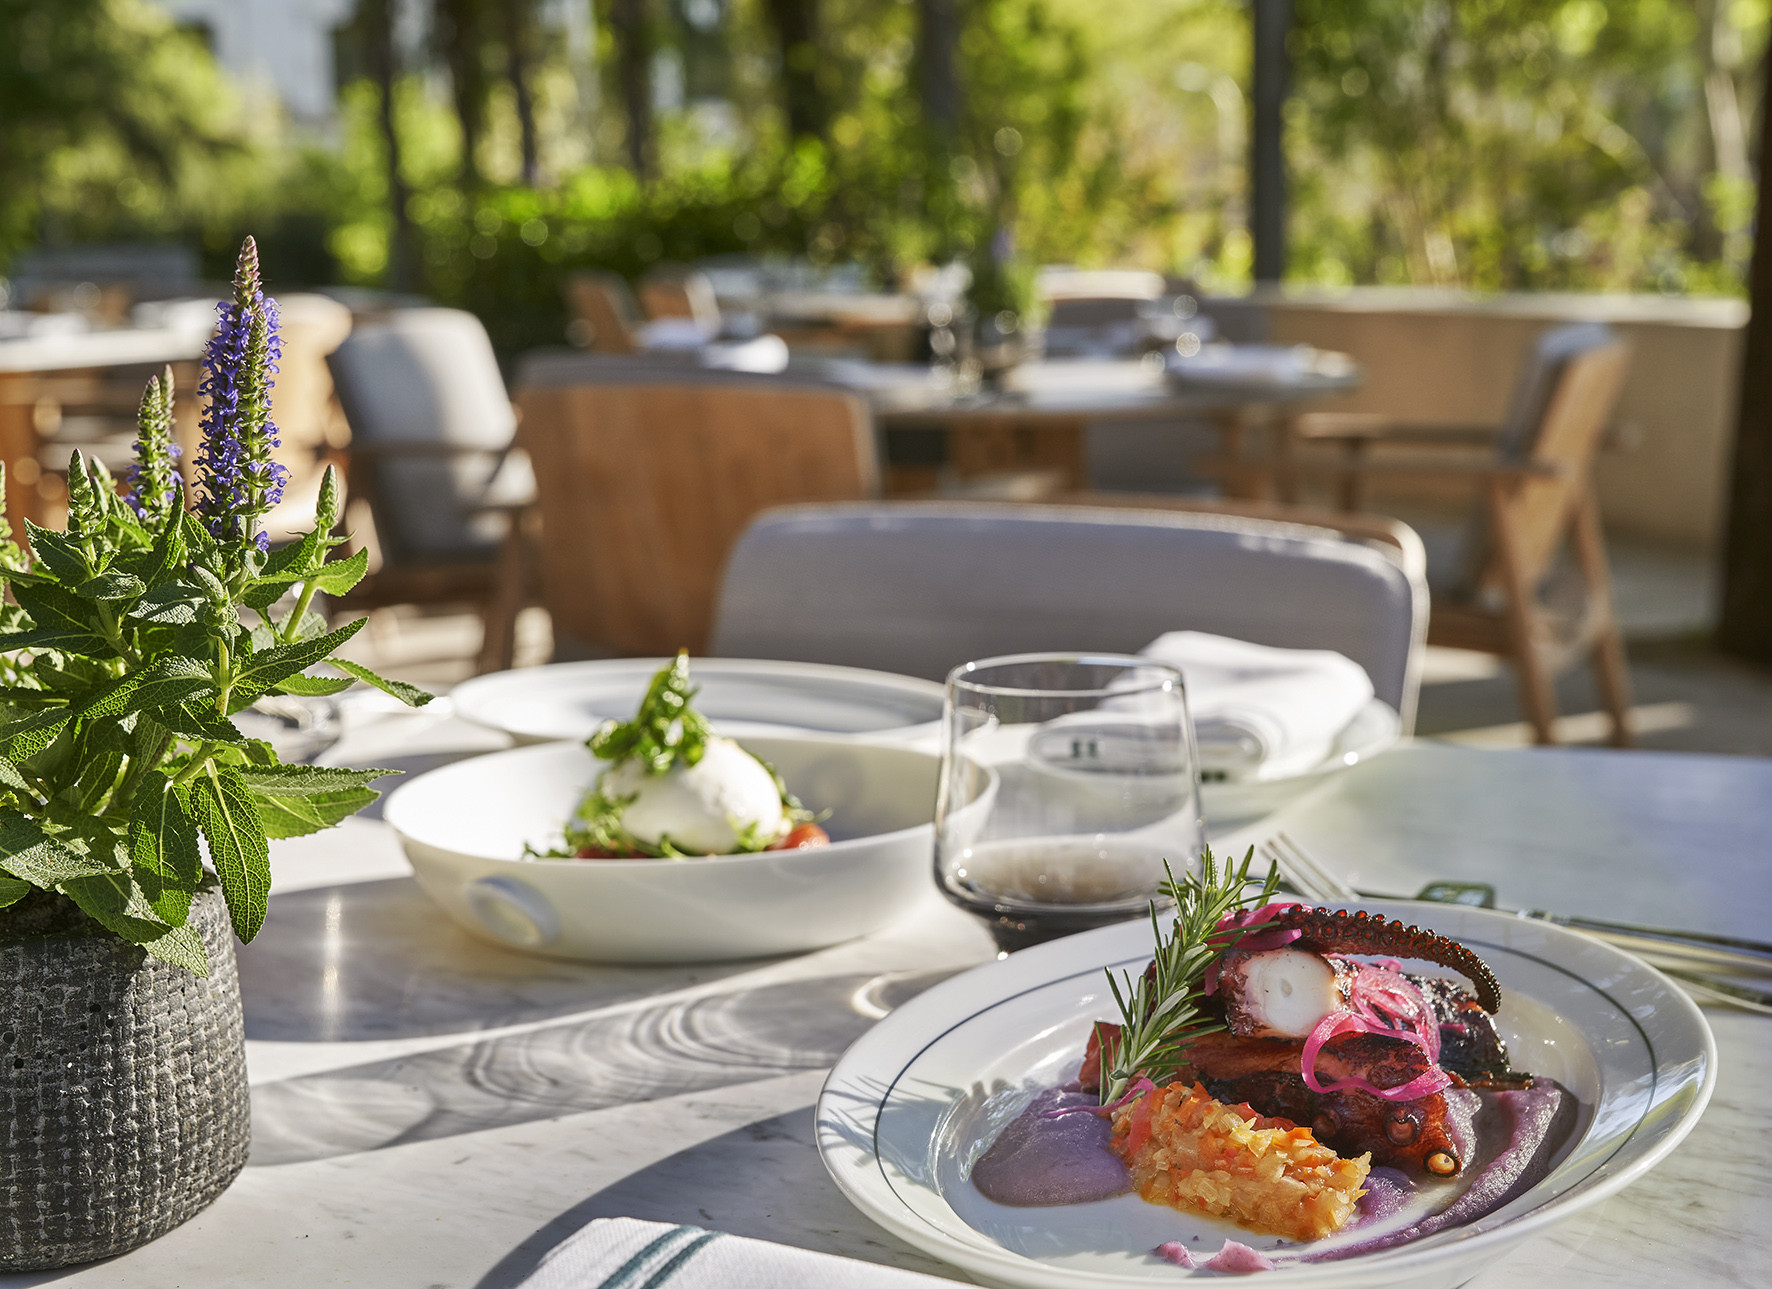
(1665, 950)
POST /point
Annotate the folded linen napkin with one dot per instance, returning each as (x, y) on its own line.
(1261, 712)
(626, 1253)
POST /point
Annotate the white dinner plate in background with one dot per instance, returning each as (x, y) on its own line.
(569, 700)
(1230, 802)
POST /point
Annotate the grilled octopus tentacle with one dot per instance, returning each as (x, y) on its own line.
(1339, 931)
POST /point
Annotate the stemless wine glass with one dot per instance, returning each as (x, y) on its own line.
(1066, 782)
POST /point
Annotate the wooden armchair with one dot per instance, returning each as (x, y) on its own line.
(1534, 477)
(643, 487)
(603, 313)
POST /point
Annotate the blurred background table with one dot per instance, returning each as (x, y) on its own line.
(429, 1110)
(49, 382)
(1037, 415)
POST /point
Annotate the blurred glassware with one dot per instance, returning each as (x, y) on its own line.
(1066, 783)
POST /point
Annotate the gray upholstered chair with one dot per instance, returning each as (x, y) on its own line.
(920, 587)
(431, 451)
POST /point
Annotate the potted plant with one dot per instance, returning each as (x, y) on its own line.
(133, 638)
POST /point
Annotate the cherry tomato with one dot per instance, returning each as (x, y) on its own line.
(803, 837)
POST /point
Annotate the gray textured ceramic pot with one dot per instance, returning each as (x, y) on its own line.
(123, 1107)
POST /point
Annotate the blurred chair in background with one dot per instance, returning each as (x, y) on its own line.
(604, 316)
(642, 488)
(432, 454)
(920, 587)
(1498, 589)
(677, 291)
(305, 407)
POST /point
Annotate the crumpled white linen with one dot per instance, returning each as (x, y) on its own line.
(626, 1253)
(1261, 712)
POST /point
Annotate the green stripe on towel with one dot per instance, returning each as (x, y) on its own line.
(629, 1269)
(675, 1265)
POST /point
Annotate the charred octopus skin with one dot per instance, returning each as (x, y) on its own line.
(1359, 932)
(1265, 1073)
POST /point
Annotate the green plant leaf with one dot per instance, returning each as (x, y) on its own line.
(162, 684)
(340, 575)
(111, 585)
(307, 780)
(29, 735)
(120, 906)
(237, 845)
(291, 563)
(12, 778)
(163, 848)
(411, 695)
(61, 620)
(59, 553)
(199, 723)
(12, 890)
(263, 670)
(313, 686)
(171, 605)
(29, 852)
(293, 816)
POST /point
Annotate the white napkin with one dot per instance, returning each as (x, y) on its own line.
(629, 1253)
(1261, 712)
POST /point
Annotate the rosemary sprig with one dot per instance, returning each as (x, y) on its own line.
(1160, 1011)
(665, 728)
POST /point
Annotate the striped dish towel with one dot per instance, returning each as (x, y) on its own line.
(625, 1253)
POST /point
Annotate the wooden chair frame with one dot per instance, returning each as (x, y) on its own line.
(499, 587)
(1533, 508)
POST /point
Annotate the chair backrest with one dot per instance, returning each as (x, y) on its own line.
(1562, 403)
(920, 587)
(312, 326)
(643, 488)
(678, 292)
(425, 377)
(603, 303)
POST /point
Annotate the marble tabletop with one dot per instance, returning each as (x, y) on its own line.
(431, 1112)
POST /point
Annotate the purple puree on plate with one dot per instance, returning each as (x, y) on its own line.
(1532, 1123)
(1039, 1160)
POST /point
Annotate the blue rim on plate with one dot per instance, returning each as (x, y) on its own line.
(905, 1105)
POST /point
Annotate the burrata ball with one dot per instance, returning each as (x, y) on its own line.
(702, 808)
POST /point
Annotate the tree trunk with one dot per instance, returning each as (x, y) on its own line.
(462, 38)
(939, 31)
(519, 33)
(633, 41)
(378, 31)
(1745, 627)
(796, 31)
(1267, 157)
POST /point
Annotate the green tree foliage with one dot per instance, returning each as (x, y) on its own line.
(1494, 144)
(1523, 144)
(107, 114)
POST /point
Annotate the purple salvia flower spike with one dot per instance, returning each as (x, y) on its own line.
(240, 480)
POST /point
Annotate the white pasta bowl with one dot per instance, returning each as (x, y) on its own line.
(465, 826)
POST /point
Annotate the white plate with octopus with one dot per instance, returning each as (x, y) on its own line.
(911, 1107)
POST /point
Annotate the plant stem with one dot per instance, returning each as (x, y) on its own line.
(199, 759)
(225, 682)
(139, 767)
(293, 622)
(114, 634)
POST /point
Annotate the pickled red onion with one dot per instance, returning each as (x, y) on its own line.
(1412, 1019)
